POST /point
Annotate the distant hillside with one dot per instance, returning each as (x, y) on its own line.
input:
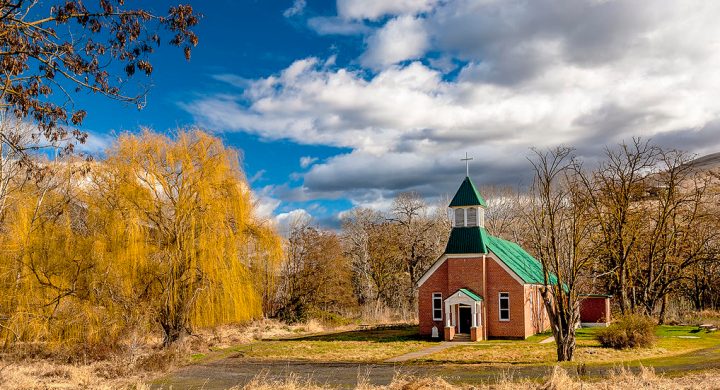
(706, 163)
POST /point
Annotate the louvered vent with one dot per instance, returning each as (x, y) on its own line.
(459, 217)
(472, 216)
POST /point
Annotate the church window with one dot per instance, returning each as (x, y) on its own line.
(437, 306)
(504, 306)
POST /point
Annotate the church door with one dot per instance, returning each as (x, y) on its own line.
(465, 319)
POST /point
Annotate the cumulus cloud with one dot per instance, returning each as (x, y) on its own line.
(285, 221)
(583, 73)
(402, 38)
(374, 9)
(265, 204)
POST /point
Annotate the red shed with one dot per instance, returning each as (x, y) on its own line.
(595, 310)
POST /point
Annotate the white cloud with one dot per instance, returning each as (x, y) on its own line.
(306, 161)
(265, 204)
(257, 176)
(585, 73)
(402, 38)
(373, 9)
(296, 9)
(285, 221)
(324, 25)
(95, 143)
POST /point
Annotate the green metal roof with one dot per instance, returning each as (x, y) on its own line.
(471, 294)
(477, 240)
(467, 195)
(467, 240)
(522, 263)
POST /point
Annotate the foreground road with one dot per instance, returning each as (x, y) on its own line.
(228, 372)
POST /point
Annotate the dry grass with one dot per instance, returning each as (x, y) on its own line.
(372, 345)
(702, 317)
(140, 360)
(48, 375)
(558, 379)
(232, 335)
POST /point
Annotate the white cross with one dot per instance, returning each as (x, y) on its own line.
(467, 164)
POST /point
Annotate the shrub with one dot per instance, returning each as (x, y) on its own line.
(631, 331)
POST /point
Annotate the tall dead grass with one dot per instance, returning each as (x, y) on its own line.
(557, 379)
(34, 366)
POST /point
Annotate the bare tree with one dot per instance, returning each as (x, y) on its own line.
(559, 236)
(504, 215)
(357, 228)
(677, 231)
(422, 236)
(613, 189)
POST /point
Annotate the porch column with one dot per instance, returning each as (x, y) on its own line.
(476, 329)
(473, 311)
(449, 331)
(448, 314)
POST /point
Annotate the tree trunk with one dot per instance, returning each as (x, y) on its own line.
(566, 347)
(623, 293)
(174, 330)
(663, 307)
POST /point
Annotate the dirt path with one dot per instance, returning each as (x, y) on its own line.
(230, 372)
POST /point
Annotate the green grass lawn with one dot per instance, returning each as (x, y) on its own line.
(377, 345)
(671, 342)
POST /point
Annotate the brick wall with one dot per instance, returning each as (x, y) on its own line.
(536, 316)
(499, 281)
(437, 282)
(456, 273)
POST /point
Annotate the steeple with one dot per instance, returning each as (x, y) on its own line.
(468, 234)
(467, 195)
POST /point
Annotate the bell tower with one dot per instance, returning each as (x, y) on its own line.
(468, 233)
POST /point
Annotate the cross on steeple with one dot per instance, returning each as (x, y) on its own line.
(467, 164)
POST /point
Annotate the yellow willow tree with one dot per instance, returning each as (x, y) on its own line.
(176, 218)
(49, 284)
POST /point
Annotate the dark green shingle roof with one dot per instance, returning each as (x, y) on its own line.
(471, 294)
(467, 195)
(467, 240)
(477, 240)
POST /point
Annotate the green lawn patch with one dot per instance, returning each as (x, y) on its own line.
(672, 342)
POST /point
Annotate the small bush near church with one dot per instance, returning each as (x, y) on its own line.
(631, 331)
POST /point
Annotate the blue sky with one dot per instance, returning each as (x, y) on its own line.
(343, 104)
(249, 39)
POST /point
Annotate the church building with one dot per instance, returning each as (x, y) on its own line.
(486, 287)
(482, 286)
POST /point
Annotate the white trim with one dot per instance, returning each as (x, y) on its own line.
(493, 256)
(434, 295)
(460, 297)
(432, 269)
(500, 310)
(441, 260)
